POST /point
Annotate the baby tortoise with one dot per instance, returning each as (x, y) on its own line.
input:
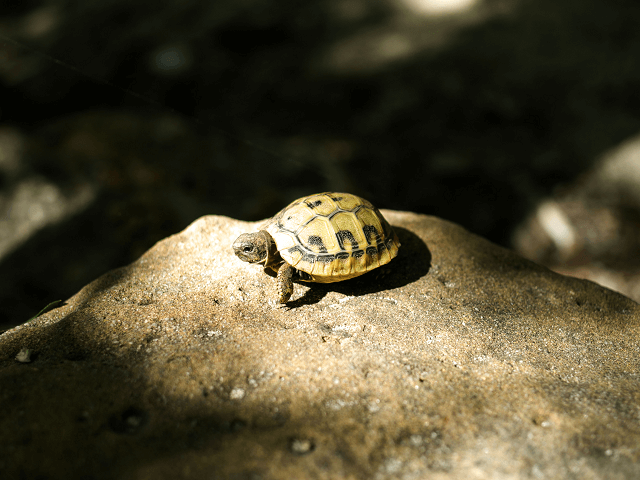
(328, 237)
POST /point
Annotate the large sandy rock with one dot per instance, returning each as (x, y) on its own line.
(459, 360)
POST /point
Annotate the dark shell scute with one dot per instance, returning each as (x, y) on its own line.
(295, 250)
(325, 258)
(309, 258)
(343, 235)
(317, 241)
(371, 233)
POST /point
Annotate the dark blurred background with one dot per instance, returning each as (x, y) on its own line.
(122, 121)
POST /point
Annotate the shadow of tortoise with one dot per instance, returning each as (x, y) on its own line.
(413, 262)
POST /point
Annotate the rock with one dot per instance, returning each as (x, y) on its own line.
(591, 227)
(457, 360)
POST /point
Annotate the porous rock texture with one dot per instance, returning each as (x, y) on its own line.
(458, 360)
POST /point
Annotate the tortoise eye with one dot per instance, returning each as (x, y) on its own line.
(247, 249)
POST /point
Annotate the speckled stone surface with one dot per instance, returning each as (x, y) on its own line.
(458, 360)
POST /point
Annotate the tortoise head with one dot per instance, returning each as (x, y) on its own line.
(254, 247)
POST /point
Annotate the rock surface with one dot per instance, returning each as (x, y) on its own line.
(459, 360)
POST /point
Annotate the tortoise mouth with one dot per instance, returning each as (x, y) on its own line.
(249, 256)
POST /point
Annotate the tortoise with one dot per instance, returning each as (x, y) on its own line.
(326, 237)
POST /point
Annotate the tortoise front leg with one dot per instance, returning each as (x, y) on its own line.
(285, 282)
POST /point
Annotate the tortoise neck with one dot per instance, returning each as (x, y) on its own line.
(273, 257)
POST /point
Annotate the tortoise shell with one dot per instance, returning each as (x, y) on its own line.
(333, 236)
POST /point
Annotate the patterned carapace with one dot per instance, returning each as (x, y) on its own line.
(332, 237)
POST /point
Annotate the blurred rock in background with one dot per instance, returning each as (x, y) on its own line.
(591, 229)
(123, 121)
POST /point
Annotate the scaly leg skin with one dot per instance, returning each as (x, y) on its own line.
(285, 282)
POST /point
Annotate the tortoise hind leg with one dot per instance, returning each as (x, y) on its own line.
(285, 282)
